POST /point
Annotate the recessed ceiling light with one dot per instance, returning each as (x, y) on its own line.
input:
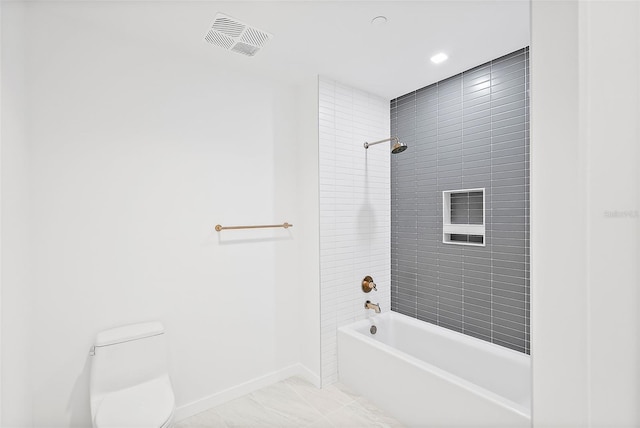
(438, 58)
(379, 20)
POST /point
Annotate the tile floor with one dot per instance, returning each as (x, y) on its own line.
(294, 403)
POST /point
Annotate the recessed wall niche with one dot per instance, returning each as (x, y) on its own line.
(463, 217)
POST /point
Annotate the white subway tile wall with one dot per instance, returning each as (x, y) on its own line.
(355, 210)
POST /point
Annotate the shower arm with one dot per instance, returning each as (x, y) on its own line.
(366, 145)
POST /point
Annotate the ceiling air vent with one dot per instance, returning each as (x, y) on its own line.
(231, 34)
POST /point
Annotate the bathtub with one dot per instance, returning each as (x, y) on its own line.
(427, 376)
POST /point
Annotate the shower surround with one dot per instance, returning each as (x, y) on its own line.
(466, 132)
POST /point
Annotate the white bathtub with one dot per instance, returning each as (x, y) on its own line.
(428, 376)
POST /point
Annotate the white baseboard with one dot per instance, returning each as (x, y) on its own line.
(229, 394)
(309, 376)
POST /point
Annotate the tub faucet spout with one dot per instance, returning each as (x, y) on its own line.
(374, 306)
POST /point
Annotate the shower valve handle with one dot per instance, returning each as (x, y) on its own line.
(368, 284)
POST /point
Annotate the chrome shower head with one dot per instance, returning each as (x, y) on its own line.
(397, 147)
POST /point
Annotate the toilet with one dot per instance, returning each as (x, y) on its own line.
(130, 385)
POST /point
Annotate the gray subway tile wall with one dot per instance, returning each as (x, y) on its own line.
(466, 132)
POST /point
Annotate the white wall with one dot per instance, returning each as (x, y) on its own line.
(558, 266)
(0, 211)
(16, 309)
(307, 195)
(355, 210)
(585, 221)
(134, 153)
(612, 123)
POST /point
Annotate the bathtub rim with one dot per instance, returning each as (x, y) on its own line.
(497, 399)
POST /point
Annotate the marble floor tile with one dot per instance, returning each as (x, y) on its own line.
(321, 423)
(294, 402)
(354, 415)
(346, 390)
(378, 414)
(208, 419)
(325, 400)
(282, 399)
(248, 412)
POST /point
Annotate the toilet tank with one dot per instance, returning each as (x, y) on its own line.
(127, 356)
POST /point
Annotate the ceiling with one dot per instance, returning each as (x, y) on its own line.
(336, 38)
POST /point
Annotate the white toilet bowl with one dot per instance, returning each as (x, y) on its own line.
(130, 385)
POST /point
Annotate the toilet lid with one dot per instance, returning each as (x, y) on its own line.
(146, 405)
